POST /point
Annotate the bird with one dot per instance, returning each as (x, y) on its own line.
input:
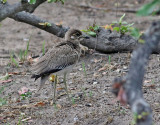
(60, 59)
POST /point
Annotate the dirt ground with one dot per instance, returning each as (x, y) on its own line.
(92, 102)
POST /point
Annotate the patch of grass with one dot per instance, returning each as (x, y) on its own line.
(23, 54)
(20, 119)
(26, 51)
(43, 48)
(109, 59)
(153, 81)
(13, 61)
(2, 100)
(73, 101)
(84, 69)
(90, 94)
(84, 92)
(138, 117)
(55, 106)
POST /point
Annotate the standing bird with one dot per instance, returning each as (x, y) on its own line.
(59, 60)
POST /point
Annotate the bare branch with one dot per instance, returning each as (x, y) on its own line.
(129, 90)
(31, 19)
(7, 10)
(32, 7)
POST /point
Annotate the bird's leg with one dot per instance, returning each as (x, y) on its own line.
(55, 86)
(64, 80)
(53, 80)
(42, 82)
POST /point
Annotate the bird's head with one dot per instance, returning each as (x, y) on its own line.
(74, 35)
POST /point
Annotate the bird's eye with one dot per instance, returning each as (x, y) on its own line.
(72, 37)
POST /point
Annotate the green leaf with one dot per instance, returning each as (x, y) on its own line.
(141, 41)
(32, 1)
(96, 27)
(62, 1)
(4, 1)
(124, 29)
(148, 8)
(129, 25)
(85, 31)
(49, 24)
(120, 20)
(115, 22)
(135, 33)
(116, 29)
(91, 33)
(124, 22)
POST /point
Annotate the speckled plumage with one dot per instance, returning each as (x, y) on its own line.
(58, 58)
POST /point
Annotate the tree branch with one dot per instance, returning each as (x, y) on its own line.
(106, 41)
(7, 10)
(129, 89)
(32, 7)
(31, 19)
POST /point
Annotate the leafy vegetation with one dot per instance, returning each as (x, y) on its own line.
(91, 30)
(149, 8)
(4, 1)
(123, 27)
(26, 95)
(32, 1)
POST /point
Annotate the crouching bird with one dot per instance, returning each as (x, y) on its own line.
(59, 60)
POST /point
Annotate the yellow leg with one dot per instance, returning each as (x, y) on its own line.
(54, 81)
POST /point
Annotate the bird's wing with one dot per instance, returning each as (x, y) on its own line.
(55, 59)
